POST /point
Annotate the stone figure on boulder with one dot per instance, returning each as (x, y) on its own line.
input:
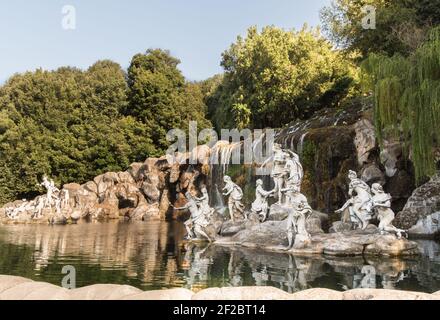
(278, 169)
(360, 205)
(384, 213)
(235, 194)
(198, 221)
(299, 211)
(294, 170)
(260, 206)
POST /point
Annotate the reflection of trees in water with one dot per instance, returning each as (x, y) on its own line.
(151, 255)
(147, 252)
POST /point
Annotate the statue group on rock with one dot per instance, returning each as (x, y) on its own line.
(366, 204)
(53, 199)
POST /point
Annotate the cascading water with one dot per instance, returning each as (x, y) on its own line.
(220, 159)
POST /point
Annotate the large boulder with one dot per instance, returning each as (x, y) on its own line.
(421, 215)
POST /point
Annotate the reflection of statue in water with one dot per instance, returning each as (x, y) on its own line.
(198, 221)
(260, 206)
(299, 211)
(382, 205)
(198, 264)
(360, 203)
(278, 169)
(235, 266)
(236, 208)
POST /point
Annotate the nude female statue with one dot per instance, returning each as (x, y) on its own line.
(236, 208)
(382, 205)
(299, 212)
(294, 170)
(278, 170)
(260, 206)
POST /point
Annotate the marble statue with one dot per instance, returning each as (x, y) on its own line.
(299, 211)
(236, 208)
(260, 206)
(294, 170)
(203, 202)
(52, 191)
(384, 213)
(198, 222)
(278, 169)
(38, 212)
(360, 204)
(65, 196)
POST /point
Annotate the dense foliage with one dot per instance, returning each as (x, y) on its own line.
(160, 97)
(276, 76)
(407, 95)
(73, 125)
(401, 25)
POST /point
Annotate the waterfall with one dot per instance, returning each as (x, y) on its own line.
(220, 159)
(301, 144)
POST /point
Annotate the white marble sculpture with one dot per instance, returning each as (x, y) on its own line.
(384, 213)
(235, 194)
(260, 206)
(299, 211)
(278, 171)
(360, 204)
(294, 170)
(203, 202)
(52, 191)
(198, 222)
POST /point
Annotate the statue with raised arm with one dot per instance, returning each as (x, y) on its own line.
(260, 206)
(360, 204)
(198, 221)
(235, 193)
(278, 169)
(299, 212)
(382, 206)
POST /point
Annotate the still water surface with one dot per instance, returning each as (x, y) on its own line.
(153, 256)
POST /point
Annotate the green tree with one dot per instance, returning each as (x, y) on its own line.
(275, 76)
(66, 124)
(160, 97)
(401, 25)
(407, 100)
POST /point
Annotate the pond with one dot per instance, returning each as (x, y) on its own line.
(154, 256)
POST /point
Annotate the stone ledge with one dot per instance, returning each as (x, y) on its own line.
(18, 288)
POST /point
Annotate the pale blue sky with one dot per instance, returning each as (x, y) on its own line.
(195, 31)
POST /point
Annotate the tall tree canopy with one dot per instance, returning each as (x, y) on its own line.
(407, 100)
(401, 25)
(66, 124)
(160, 97)
(275, 76)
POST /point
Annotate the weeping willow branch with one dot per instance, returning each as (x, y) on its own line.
(407, 100)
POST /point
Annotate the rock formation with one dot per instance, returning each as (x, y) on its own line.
(421, 215)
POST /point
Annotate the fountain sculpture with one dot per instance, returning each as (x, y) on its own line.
(54, 199)
(291, 217)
